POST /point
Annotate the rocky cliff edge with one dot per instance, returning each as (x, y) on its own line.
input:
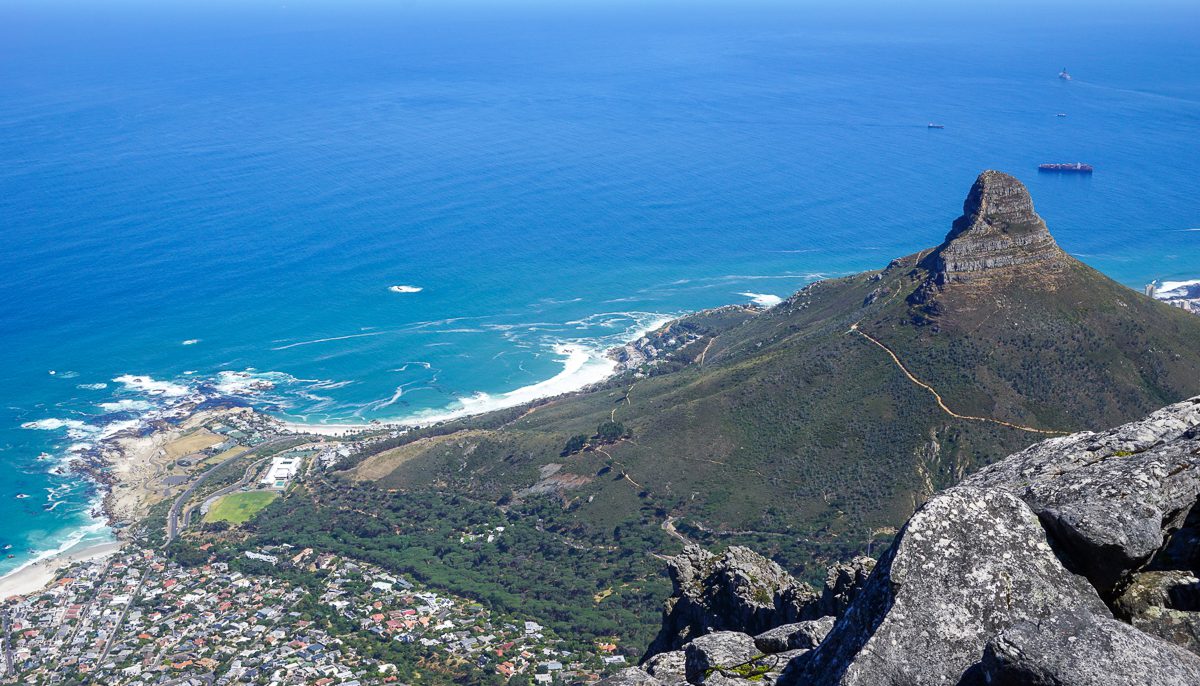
(1072, 562)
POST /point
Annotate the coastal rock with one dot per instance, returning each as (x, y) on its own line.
(1078, 648)
(801, 635)
(843, 583)
(738, 589)
(970, 563)
(998, 229)
(720, 650)
(1110, 500)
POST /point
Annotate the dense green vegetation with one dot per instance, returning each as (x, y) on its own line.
(539, 565)
(786, 431)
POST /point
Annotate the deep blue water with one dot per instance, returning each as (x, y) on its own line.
(253, 177)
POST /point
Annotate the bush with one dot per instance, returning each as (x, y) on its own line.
(575, 444)
(610, 432)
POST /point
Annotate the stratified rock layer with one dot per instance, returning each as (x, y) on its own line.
(998, 229)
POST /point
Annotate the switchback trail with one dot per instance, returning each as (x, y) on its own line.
(941, 403)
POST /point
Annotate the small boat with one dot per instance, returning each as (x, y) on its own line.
(1061, 114)
(21, 495)
(1069, 168)
(8, 547)
(935, 126)
(1064, 75)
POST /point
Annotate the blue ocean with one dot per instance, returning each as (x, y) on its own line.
(349, 211)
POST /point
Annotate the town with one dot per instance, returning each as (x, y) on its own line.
(272, 615)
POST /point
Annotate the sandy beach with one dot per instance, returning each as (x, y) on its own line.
(36, 575)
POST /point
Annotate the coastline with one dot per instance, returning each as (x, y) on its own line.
(582, 367)
(126, 464)
(37, 574)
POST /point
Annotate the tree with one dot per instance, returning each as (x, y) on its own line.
(575, 444)
(610, 431)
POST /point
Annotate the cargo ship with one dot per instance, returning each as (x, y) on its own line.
(1073, 167)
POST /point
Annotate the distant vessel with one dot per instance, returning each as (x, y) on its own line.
(1075, 167)
(1061, 114)
(1064, 75)
(936, 126)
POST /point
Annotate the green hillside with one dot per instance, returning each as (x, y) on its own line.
(794, 430)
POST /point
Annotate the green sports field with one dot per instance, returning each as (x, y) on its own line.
(236, 508)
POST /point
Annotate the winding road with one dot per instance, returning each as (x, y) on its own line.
(173, 516)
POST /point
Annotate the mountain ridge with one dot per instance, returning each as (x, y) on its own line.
(788, 430)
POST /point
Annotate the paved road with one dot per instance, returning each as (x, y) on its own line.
(173, 516)
(246, 478)
(8, 655)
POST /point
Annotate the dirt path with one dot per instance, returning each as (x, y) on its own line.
(941, 403)
(700, 358)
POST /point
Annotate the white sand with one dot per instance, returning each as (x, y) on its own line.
(35, 576)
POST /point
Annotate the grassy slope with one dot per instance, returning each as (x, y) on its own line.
(797, 436)
(797, 426)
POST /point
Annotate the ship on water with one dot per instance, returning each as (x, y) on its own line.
(1068, 167)
(1064, 75)
(935, 126)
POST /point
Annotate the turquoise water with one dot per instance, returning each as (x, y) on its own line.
(197, 197)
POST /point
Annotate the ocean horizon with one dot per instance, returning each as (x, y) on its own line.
(363, 214)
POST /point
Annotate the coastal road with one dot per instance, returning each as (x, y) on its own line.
(246, 478)
(173, 515)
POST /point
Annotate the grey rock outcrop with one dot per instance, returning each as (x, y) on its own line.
(970, 563)
(1012, 577)
(1164, 604)
(843, 583)
(718, 651)
(1111, 499)
(669, 666)
(801, 635)
(736, 590)
(1076, 648)
(631, 676)
(998, 229)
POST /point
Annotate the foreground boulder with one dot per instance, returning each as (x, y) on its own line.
(737, 590)
(1075, 648)
(1111, 499)
(1012, 577)
(967, 565)
(801, 635)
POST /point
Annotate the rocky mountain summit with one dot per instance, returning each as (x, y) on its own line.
(1073, 561)
(998, 229)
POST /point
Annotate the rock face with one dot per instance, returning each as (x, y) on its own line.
(998, 229)
(969, 564)
(798, 636)
(1109, 499)
(737, 590)
(1012, 577)
(843, 584)
(1074, 648)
